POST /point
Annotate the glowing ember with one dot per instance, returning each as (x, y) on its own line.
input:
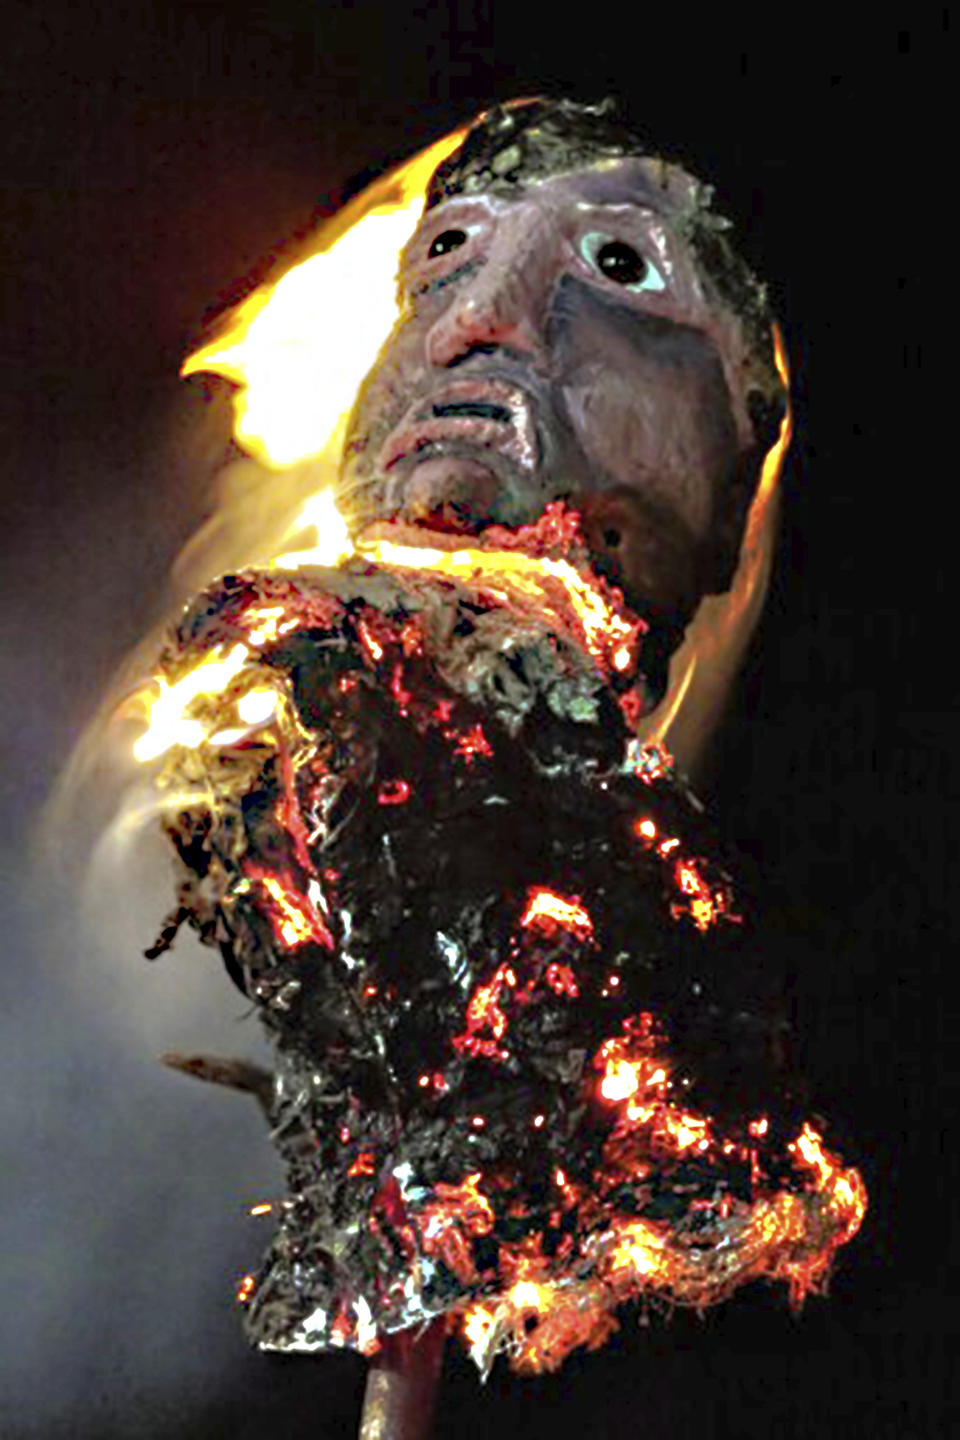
(294, 919)
(394, 792)
(544, 907)
(561, 979)
(471, 743)
(526, 1296)
(372, 646)
(626, 1072)
(650, 761)
(621, 1080)
(485, 1015)
(704, 903)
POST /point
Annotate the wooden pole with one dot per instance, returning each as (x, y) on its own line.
(402, 1380)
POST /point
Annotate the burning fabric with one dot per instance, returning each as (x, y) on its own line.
(525, 1070)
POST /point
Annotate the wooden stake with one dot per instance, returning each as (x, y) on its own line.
(402, 1380)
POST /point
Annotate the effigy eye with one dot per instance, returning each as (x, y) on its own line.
(446, 241)
(620, 262)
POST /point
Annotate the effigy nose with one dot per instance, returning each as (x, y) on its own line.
(503, 301)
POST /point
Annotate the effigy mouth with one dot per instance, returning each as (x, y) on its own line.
(487, 412)
(462, 453)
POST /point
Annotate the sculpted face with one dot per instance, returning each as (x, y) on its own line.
(559, 343)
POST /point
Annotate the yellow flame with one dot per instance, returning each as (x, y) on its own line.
(639, 1250)
(169, 723)
(525, 1295)
(257, 705)
(332, 542)
(702, 670)
(602, 626)
(621, 1080)
(773, 460)
(300, 346)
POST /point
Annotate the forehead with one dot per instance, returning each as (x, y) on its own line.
(620, 183)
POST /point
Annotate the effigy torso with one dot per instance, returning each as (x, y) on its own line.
(525, 1069)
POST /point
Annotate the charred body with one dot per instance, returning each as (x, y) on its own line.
(526, 1064)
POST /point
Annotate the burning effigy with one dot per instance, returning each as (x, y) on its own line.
(422, 797)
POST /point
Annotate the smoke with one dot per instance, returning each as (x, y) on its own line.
(126, 1186)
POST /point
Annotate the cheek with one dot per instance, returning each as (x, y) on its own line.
(623, 412)
(389, 387)
(648, 402)
(642, 548)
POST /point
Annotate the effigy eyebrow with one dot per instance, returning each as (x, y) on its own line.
(435, 221)
(608, 187)
(617, 208)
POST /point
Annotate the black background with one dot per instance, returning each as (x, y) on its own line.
(157, 158)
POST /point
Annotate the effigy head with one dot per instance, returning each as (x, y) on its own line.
(574, 325)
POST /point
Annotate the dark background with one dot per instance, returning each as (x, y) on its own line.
(156, 158)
